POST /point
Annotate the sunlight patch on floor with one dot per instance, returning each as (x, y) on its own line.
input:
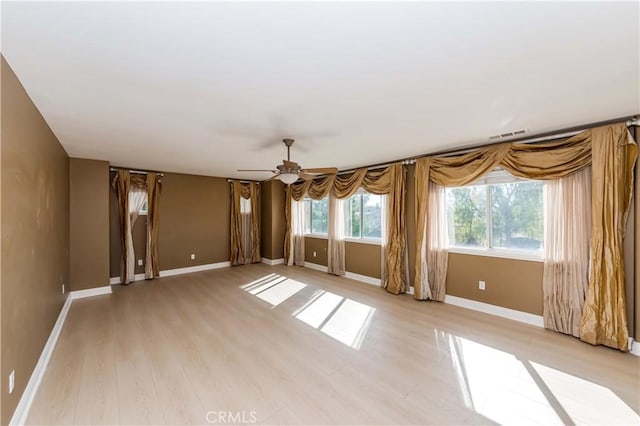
(316, 312)
(507, 390)
(345, 320)
(342, 319)
(499, 387)
(586, 402)
(273, 289)
(349, 323)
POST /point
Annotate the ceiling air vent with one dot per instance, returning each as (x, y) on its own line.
(507, 135)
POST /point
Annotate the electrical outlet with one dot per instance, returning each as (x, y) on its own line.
(12, 380)
(193, 256)
(315, 254)
(481, 285)
(139, 262)
(62, 288)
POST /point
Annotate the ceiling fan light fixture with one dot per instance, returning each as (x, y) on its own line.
(288, 178)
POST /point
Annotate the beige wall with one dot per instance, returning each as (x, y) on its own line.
(89, 219)
(35, 235)
(194, 218)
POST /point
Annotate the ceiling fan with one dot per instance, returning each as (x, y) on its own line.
(288, 172)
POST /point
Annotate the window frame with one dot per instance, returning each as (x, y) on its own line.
(361, 239)
(496, 177)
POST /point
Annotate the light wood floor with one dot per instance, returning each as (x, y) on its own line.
(199, 347)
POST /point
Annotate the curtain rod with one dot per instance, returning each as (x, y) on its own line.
(631, 120)
(139, 172)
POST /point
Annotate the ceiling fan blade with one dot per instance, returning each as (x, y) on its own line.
(289, 164)
(272, 177)
(320, 170)
(256, 170)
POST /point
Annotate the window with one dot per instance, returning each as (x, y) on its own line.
(135, 198)
(363, 216)
(316, 216)
(502, 213)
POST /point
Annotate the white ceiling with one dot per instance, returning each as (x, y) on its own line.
(207, 88)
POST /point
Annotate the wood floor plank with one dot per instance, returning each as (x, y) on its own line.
(286, 345)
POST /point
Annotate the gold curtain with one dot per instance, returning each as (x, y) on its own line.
(151, 269)
(612, 153)
(390, 180)
(150, 183)
(604, 319)
(254, 195)
(395, 281)
(247, 191)
(122, 185)
(236, 256)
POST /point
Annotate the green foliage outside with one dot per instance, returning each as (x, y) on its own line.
(516, 215)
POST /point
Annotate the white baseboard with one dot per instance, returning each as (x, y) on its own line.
(22, 410)
(351, 275)
(116, 280)
(316, 267)
(363, 278)
(178, 271)
(495, 310)
(190, 269)
(635, 348)
(273, 261)
(97, 291)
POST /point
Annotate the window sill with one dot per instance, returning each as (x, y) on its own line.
(319, 236)
(505, 254)
(371, 241)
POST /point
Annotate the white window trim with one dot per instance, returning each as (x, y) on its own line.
(365, 240)
(532, 256)
(319, 236)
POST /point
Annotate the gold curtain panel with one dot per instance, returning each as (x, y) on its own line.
(249, 191)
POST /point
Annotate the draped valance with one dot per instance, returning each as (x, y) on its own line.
(390, 181)
(612, 153)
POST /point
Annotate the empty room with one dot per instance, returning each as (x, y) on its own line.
(319, 213)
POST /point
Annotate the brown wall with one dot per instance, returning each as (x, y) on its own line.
(514, 284)
(319, 245)
(360, 258)
(194, 218)
(272, 199)
(89, 219)
(278, 224)
(266, 238)
(35, 235)
(636, 210)
(363, 259)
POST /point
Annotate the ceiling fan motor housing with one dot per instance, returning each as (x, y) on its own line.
(284, 169)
